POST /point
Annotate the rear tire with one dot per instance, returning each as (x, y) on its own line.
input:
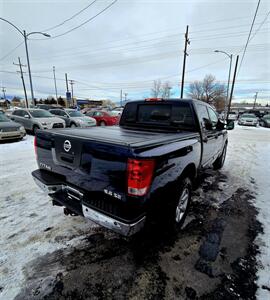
(102, 123)
(179, 206)
(73, 125)
(219, 162)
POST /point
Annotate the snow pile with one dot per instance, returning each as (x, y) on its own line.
(248, 161)
(30, 225)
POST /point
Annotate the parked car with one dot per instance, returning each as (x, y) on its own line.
(118, 110)
(232, 116)
(121, 176)
(104, 118)
(34, 119)
(74, 118)
(265, 121)
(10, 130)
(248, 119)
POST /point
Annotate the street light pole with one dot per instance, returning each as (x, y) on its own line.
(229, 77)
(29, 69)
(25, 36)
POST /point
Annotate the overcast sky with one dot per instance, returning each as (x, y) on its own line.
(133, 43)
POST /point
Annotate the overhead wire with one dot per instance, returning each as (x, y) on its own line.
(11, 51)
(70, 18)
(250, 31)
(260, 26)
(82, 24)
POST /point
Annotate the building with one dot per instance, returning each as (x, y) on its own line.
(85, 103)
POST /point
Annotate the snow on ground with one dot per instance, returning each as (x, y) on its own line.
(30, 225)
(248, 160)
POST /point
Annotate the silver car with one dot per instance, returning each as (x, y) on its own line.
(10, 130)
(74, 118)
(33, 119)
(248, 119)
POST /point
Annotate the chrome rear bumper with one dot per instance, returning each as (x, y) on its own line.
(113, 224)
(126, 229)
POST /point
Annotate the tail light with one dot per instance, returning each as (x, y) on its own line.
(140, 174)
(35, 145)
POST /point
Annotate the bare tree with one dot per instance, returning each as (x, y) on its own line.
(208, 90)
(166, 90)
(156, 90)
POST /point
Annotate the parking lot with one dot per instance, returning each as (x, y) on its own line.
(221, 250)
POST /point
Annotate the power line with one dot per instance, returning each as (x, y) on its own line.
(258, 29)
(72, 17)
(78, 47)
(82, 24)
(125, 47)
(11, 51)
(249, 36)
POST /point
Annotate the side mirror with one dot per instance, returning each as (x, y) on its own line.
(26, 116)
(220, 125)
(230, 125)
(207, 123)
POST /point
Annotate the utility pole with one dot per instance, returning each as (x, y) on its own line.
(255, 99)
(4, 92)
(232, 88)
(121, 97)
(187, 42)
(67, 92)
(66, 82)
(71, 82)
(55, 84)
(21, 72)
(125, 96)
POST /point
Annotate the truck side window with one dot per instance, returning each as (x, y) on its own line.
(213, 116)
(202, 114)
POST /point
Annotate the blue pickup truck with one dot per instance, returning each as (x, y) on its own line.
(121, 176)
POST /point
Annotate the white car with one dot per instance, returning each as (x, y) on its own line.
(74, 118)
(248, 119)
(117, 110)
(232, 116)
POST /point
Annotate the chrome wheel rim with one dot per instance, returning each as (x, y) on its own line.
(182, 205)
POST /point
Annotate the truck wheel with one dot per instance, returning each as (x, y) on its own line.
(176, 211)
(183, 202)
(219, 162)
(73, 125)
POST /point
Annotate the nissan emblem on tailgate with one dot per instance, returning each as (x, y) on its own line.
(67, 145)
